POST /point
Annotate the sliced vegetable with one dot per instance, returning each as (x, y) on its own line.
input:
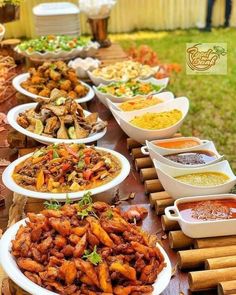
(40, 180)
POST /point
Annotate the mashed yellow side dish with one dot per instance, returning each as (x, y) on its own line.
(139, 103)
(154, 121)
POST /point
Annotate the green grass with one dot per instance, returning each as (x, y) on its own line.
(212, 112)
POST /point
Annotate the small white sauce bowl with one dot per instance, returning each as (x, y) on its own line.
(177, 189)
(159, 155)
(202, 228)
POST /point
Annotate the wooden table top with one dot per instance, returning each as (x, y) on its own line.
(114, 139)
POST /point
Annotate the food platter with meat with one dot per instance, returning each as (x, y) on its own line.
(42, 80)
(84, 248)
(57, 119)
(60, 169)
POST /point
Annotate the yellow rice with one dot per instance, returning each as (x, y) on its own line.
(155, 121)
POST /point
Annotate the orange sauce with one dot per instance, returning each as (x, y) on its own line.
(178, 144)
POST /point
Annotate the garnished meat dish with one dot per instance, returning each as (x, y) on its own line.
(50, 75)
(87, 248)
(60, 117)
(66, 168)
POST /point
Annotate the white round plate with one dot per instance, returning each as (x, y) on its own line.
(16, 82)
(13, 186)
(12, 270)
(12, 120)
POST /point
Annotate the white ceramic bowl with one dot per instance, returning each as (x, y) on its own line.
(116, 99)
(2, 32)
(12, 270)
(177, 189)
(23, 77)
(202, 229)
(99, 80)
(13, 186)
(164, 96)
(202, 143)
(81, 66)
(140, 134)
(150, 149)
(12, 119)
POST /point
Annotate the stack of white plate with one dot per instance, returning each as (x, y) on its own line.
(56, 19)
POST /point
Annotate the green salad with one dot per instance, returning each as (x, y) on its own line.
(52, 43)
(130, 88)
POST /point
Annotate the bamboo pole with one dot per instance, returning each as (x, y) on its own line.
(227, 288)
(215, 242)
(220, 262)
(141, 163)
(153, 197)
(131, 143)
(148, 173)
(168, 225)
(160, 205)
(190, 259)
(209, 279)
(178, 240)
(153, 185)
(137, 153)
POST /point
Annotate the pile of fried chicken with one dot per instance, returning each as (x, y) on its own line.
(58, 75)
(60, 117)
(88, 248)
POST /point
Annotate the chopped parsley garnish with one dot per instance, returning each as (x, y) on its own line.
(93, 257)
(52, 205)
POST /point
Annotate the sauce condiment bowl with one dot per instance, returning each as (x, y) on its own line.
(177, 189)
(159, 154)
(119, 99)
(202, 228)
(160, 149)
(140, 134)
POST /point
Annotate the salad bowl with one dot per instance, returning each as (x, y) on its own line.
(140, 134)
(177, 189)
(18, 80)
(44, 48)
(155, 153)
(160, 83)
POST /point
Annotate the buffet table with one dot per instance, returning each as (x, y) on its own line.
(116, 140)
